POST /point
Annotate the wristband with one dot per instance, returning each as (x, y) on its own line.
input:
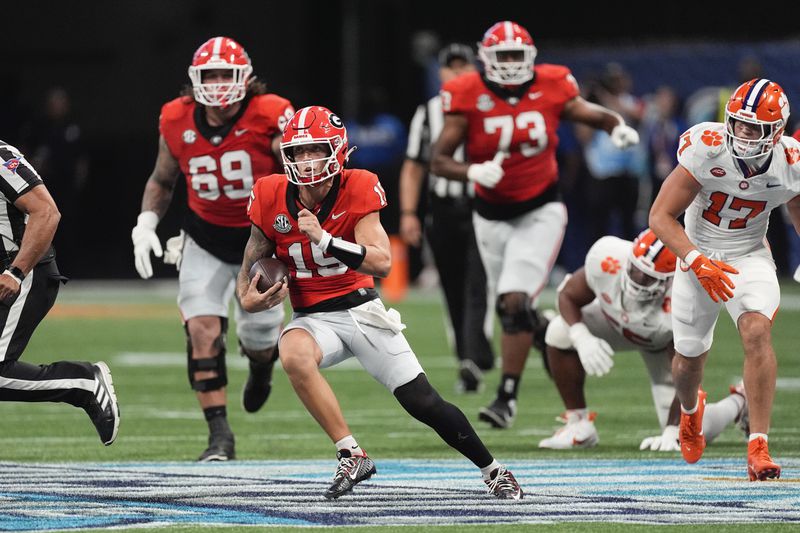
(15, 273)
(325, 241)
(691, 256)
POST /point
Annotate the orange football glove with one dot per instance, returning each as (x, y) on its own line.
(712, 276)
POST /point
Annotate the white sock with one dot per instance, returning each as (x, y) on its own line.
(581, 413)
(349, 443)
(754, 436)
(719, 415)
(691, 411)
(486, 471)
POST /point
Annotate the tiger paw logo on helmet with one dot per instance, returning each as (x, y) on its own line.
(711, 138)
(610, 265)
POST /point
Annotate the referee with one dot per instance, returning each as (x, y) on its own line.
(448, 229)
(28, 287)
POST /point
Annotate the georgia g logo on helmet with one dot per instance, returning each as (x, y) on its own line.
(314, 146)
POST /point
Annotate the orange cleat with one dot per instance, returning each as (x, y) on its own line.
(693, 442)
(759, 464)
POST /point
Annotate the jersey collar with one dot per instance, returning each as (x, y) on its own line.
(748, 173)
(293, 199)
(219, 132)
(504, 93)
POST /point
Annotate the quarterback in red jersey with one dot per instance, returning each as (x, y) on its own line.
(508, 116)
(321, 219)
(221, 138)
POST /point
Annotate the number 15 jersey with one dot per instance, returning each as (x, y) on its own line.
(315, 276)
(524, 127)
(729, 216)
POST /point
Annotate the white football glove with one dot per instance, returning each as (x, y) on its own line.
(623, 136)
(145, 241)
(666, 442)
(797, 275)
(594, 353)
(173, 251)
(488, 173)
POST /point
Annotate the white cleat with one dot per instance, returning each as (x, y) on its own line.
(578, 432)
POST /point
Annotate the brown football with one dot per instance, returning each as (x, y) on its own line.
(272, 271)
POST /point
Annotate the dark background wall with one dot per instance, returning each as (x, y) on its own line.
(120, 61)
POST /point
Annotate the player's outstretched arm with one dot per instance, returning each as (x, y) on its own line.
(573, 295)
(599, 117)
(454, 132)
(676, 194)
(161, 183)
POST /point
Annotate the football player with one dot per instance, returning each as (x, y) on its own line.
(322, 220)
(728, 178)
(507, 116)
(620, 301)
(221, 136)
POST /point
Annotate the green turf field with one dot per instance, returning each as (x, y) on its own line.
(136, 330)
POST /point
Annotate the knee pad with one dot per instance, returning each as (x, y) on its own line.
(691, 347)
(515, 313)
(418, 397)
(214, 364)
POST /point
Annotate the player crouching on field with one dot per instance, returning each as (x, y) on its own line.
(620, 301)
(322, 220)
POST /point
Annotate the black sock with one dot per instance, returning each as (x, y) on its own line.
(509, 385)
(217, 419)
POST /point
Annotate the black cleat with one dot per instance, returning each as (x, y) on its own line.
(220, 448)
(500, 414)
(352, 469)
(103, 408)
(503, 485)
(470, 378)
(258, 386)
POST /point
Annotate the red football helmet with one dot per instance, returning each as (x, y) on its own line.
(761, 103)
(315, 125)
(226, 54)
(650, 268)
(507, 38)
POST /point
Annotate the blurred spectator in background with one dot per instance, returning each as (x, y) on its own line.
(613, 190)
(661, 127)
(448, 229)
(56, 146)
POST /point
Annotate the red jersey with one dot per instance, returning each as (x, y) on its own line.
(221, 164)
(525, 129)
(316, 276)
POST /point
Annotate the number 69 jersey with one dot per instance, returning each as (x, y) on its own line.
(523, 127)
(221, 164)
(647, 326)
(314, 275)
(729, 216)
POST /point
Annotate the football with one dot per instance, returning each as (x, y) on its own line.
(272, 271)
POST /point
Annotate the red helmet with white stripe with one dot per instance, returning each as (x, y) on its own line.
(220, 53)
(507, 53)
(314, 125)
(762, 104)
(650, 268)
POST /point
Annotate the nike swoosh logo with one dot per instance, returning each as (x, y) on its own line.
(337, 215)
(534, 96)
(240, 132)
(771, 185)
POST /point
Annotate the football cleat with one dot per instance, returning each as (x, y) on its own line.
(743, 418)
(103, 408)
(690, 434)
(500, 414)
(352, 469)
(759, 464)
(221, 447)
(470, 378)
(258, 386)
(578, 432)
(503, 485)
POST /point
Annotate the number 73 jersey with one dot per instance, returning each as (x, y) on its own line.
(315, 276)
(523, 127)
(729, 216)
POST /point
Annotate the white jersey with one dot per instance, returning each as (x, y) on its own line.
(729, 217)
(648, 326)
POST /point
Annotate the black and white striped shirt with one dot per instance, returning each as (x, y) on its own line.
(424, 130)
(17, 177)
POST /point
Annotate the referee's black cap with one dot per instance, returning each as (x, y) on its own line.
(455, 51)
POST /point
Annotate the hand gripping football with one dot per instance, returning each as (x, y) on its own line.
(272, 271)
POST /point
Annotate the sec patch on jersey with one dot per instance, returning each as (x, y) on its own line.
(272, 271)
